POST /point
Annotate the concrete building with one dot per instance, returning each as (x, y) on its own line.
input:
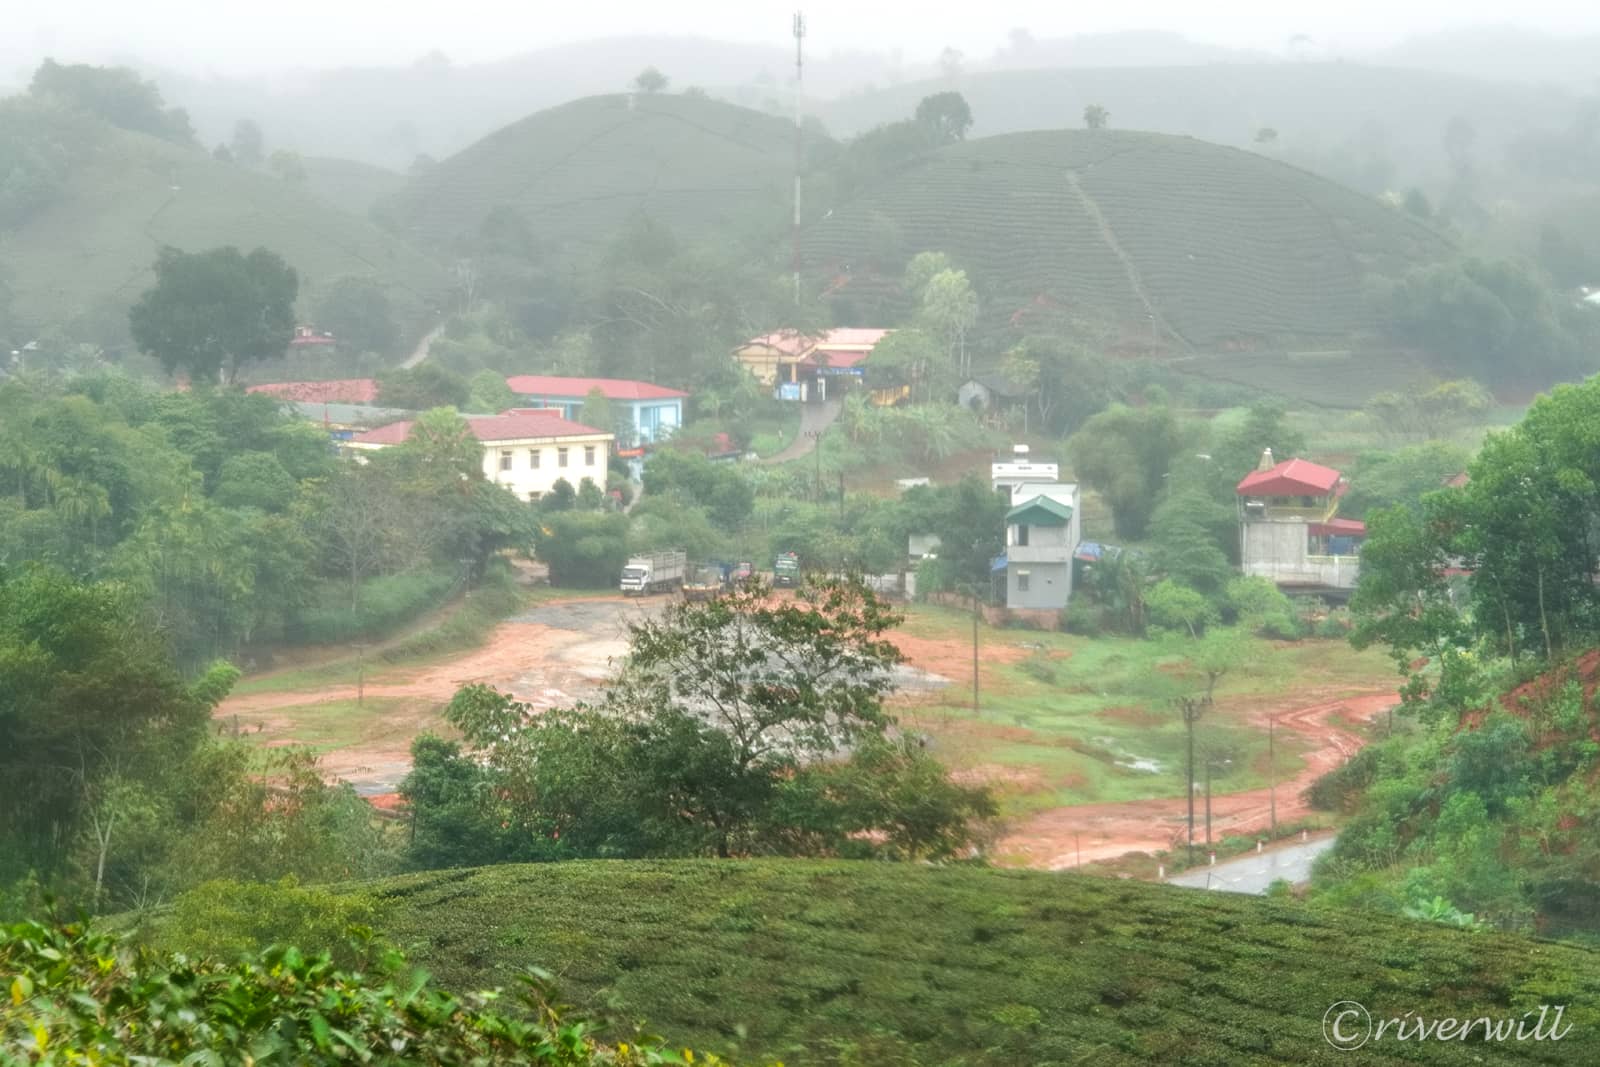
(813, 368)
(1020, 468)
(644, 412)
(525, 450)
(1289, 528)
(1043, 529)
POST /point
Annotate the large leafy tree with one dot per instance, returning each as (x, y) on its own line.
(743, 725)
(115, 94)
(359, 314)
(211, 313)
(1125, 453)
(946, 114)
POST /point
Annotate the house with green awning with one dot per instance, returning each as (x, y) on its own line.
(1042, 532)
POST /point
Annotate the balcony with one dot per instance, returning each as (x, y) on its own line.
(1328, 572)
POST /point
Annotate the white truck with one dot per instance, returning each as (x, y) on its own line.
(655, 573)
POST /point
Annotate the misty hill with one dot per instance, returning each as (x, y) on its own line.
(350, 185)
(1506, 52)
(81, 251)
(389, 115)
(1374, 127)
(578, 173)
(1177, 243)
(897, 964)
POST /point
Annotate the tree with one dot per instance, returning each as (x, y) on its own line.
(583, 549)
(951, 309)
(968, 518)
(287, 165)
(1236, 450)
(950, 63)
(650, 80)
(212, 313)
(947, 115)
(1123, 453)
(222, 154)
(596, 411)
(1184, 531)
(1095, 117)
(1401, 477)
(720, 488)
(488, 393)
(427, 385)
(1266, 136)
(742, 725)
(249, 146)
(357, 311)
(1177, 607)
(117, 95)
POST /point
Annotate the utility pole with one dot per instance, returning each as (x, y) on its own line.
(975, 613)
(1272, 777)
(1208, 802)
(1192, 708)
(361, 674)
(799, 142)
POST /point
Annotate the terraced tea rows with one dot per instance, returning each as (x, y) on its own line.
(1232, 250)
(579, 171)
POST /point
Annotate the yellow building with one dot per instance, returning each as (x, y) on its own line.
(526, 450)
(805, 363)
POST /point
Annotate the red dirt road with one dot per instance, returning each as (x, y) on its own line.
(1051, 839)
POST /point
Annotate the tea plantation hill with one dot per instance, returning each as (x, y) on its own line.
(1339, 113)
(579, 172)
(1180, 246)
(84, 256)
(914, 965)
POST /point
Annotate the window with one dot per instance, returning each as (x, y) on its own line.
(561, 457)
(505, 460)
(588, 455)
(1022, 536)
(533, 458)
(1022, 581)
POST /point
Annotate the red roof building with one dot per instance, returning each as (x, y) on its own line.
(339, 391)
(544, 386)
(518, 424)
(1292, 477)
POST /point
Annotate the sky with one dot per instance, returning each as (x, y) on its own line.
(227, 36)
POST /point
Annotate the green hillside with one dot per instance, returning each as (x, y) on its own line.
(1179, 243)
(1345, 118)
(579, 171)
(349, 185)
(84, 255)
(924, 965)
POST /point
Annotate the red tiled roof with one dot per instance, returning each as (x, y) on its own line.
(1339, 528)
(518, 424)
(578, 388)
(1292, 477)
(835, 357)
(341, 391)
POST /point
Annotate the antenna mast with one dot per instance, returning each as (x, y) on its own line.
(799, 143)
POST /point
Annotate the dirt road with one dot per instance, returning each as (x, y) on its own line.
(1052, 839)
(552, 655)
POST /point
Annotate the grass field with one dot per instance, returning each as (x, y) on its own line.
(87, 256)
(1072, 720)
(578, 172)
(1337, 379)
(1181, 243)
(888, 965)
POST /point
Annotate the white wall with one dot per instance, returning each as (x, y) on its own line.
(528, 481)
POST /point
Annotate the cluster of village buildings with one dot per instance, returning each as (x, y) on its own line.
(1289, 527)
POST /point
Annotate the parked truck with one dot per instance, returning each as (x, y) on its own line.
(656, 573)
(705, 581)
(786, 569)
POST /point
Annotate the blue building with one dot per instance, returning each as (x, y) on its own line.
(644, 413)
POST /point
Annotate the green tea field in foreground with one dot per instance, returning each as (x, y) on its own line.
(885, 965)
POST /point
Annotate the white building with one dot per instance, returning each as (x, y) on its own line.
(1021, 469)
(1043, 529)
(526, 450)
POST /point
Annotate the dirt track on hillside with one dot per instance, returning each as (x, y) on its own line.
(1052, 839)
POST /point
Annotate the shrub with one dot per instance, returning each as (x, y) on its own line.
(79, 996)
(1040, 667)
(385, 604)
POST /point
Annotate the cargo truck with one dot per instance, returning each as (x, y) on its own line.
(786, 569)
(704, 582)
(658, 572)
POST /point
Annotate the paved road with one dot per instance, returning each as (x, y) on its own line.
(1252, 873)
(814, 418)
